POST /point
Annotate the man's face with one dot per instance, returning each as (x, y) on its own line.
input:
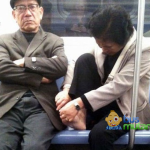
(113, 119)
(108, 47)
(29, 19)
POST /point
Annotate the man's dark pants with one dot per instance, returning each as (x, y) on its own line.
(26, 127)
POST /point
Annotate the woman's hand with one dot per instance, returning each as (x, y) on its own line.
(62, 98)
(69, 111)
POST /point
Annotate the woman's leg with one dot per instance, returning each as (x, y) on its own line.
(86, 78)
(102, 139)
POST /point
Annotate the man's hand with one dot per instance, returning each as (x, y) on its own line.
(62, 98)
(45, 80)
(19, 62)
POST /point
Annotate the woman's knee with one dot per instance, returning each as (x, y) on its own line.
(85, 58)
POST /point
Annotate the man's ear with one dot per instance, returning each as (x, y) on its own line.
(41, 12)
(13, 14)
(106, 119)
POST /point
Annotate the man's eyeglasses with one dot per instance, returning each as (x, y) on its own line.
(22, 8)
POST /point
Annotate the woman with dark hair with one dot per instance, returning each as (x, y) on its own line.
(97, 92)
(112, 23)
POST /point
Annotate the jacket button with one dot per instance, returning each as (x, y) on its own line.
(33, 67)
(39, 68)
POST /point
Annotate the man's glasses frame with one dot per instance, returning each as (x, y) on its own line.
(23, 8)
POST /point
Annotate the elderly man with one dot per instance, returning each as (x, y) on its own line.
(30, 62)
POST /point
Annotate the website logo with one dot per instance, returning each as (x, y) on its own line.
(113, 121)
(137, 126)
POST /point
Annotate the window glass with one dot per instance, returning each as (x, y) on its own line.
(70, 18)
(147, 19)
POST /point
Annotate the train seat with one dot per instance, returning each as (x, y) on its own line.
(71, 136)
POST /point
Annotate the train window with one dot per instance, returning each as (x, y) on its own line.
(147, 19)
(70, 18)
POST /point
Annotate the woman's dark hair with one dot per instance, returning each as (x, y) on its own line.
(112, 23)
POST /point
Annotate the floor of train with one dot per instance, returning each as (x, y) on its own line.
(86, 147)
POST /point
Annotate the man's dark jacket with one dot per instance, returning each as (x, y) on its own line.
(51, 63)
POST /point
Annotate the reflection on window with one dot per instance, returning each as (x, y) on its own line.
(70, 18)
(76, 21)
(46, 20)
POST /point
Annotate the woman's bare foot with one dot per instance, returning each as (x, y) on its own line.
(79, 122)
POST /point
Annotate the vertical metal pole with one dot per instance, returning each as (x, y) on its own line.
(138, 53)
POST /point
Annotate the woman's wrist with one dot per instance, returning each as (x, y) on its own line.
(79, 102)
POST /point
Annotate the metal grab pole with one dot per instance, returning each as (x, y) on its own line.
(138, 53)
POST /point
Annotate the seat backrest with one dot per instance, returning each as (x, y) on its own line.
(59, 82)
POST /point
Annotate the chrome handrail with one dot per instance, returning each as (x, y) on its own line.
(138, 53)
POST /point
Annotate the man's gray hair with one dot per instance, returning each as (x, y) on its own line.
(12, 3)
